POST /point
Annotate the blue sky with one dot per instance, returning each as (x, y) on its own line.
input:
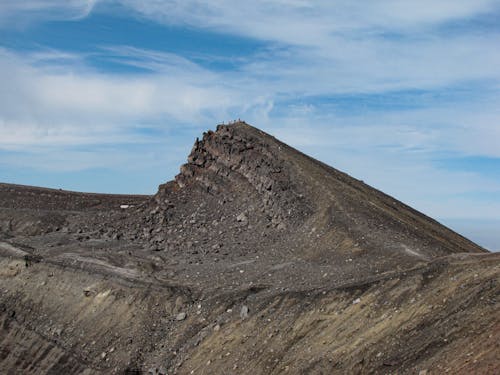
(108, 95)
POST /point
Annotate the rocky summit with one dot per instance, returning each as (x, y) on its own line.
(255, 259)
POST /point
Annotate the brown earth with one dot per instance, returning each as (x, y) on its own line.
(256, 259)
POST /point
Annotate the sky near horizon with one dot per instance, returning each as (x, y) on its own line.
(108, 95)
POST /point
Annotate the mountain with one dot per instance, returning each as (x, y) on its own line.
(255, 259)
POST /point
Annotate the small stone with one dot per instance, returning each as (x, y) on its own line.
(217, 327)
(181, 316)
(422, 372)
(244, 312)
(242, 218)
(356, 301)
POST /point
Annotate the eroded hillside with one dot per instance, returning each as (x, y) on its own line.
(255, 259)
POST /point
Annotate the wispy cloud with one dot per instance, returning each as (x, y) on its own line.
(309, 22)
(42, 104)
(22, 13)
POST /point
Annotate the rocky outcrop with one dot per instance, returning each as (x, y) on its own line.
(257, 176)
(241, 155)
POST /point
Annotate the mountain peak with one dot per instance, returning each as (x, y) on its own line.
(295, 201)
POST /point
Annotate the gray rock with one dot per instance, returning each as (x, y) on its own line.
(242, 218)
(244, 312)
(181, 316)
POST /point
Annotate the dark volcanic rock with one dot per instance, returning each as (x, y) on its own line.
(234, 155)
(253, 193)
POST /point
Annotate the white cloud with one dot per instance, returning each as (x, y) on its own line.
(307, 22)
(334, 46)
(19, 13)
(345, 46)
(41, 104)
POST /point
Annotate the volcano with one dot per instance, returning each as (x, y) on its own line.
(255, 259)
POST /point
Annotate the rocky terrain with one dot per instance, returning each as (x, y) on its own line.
(256, 259)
